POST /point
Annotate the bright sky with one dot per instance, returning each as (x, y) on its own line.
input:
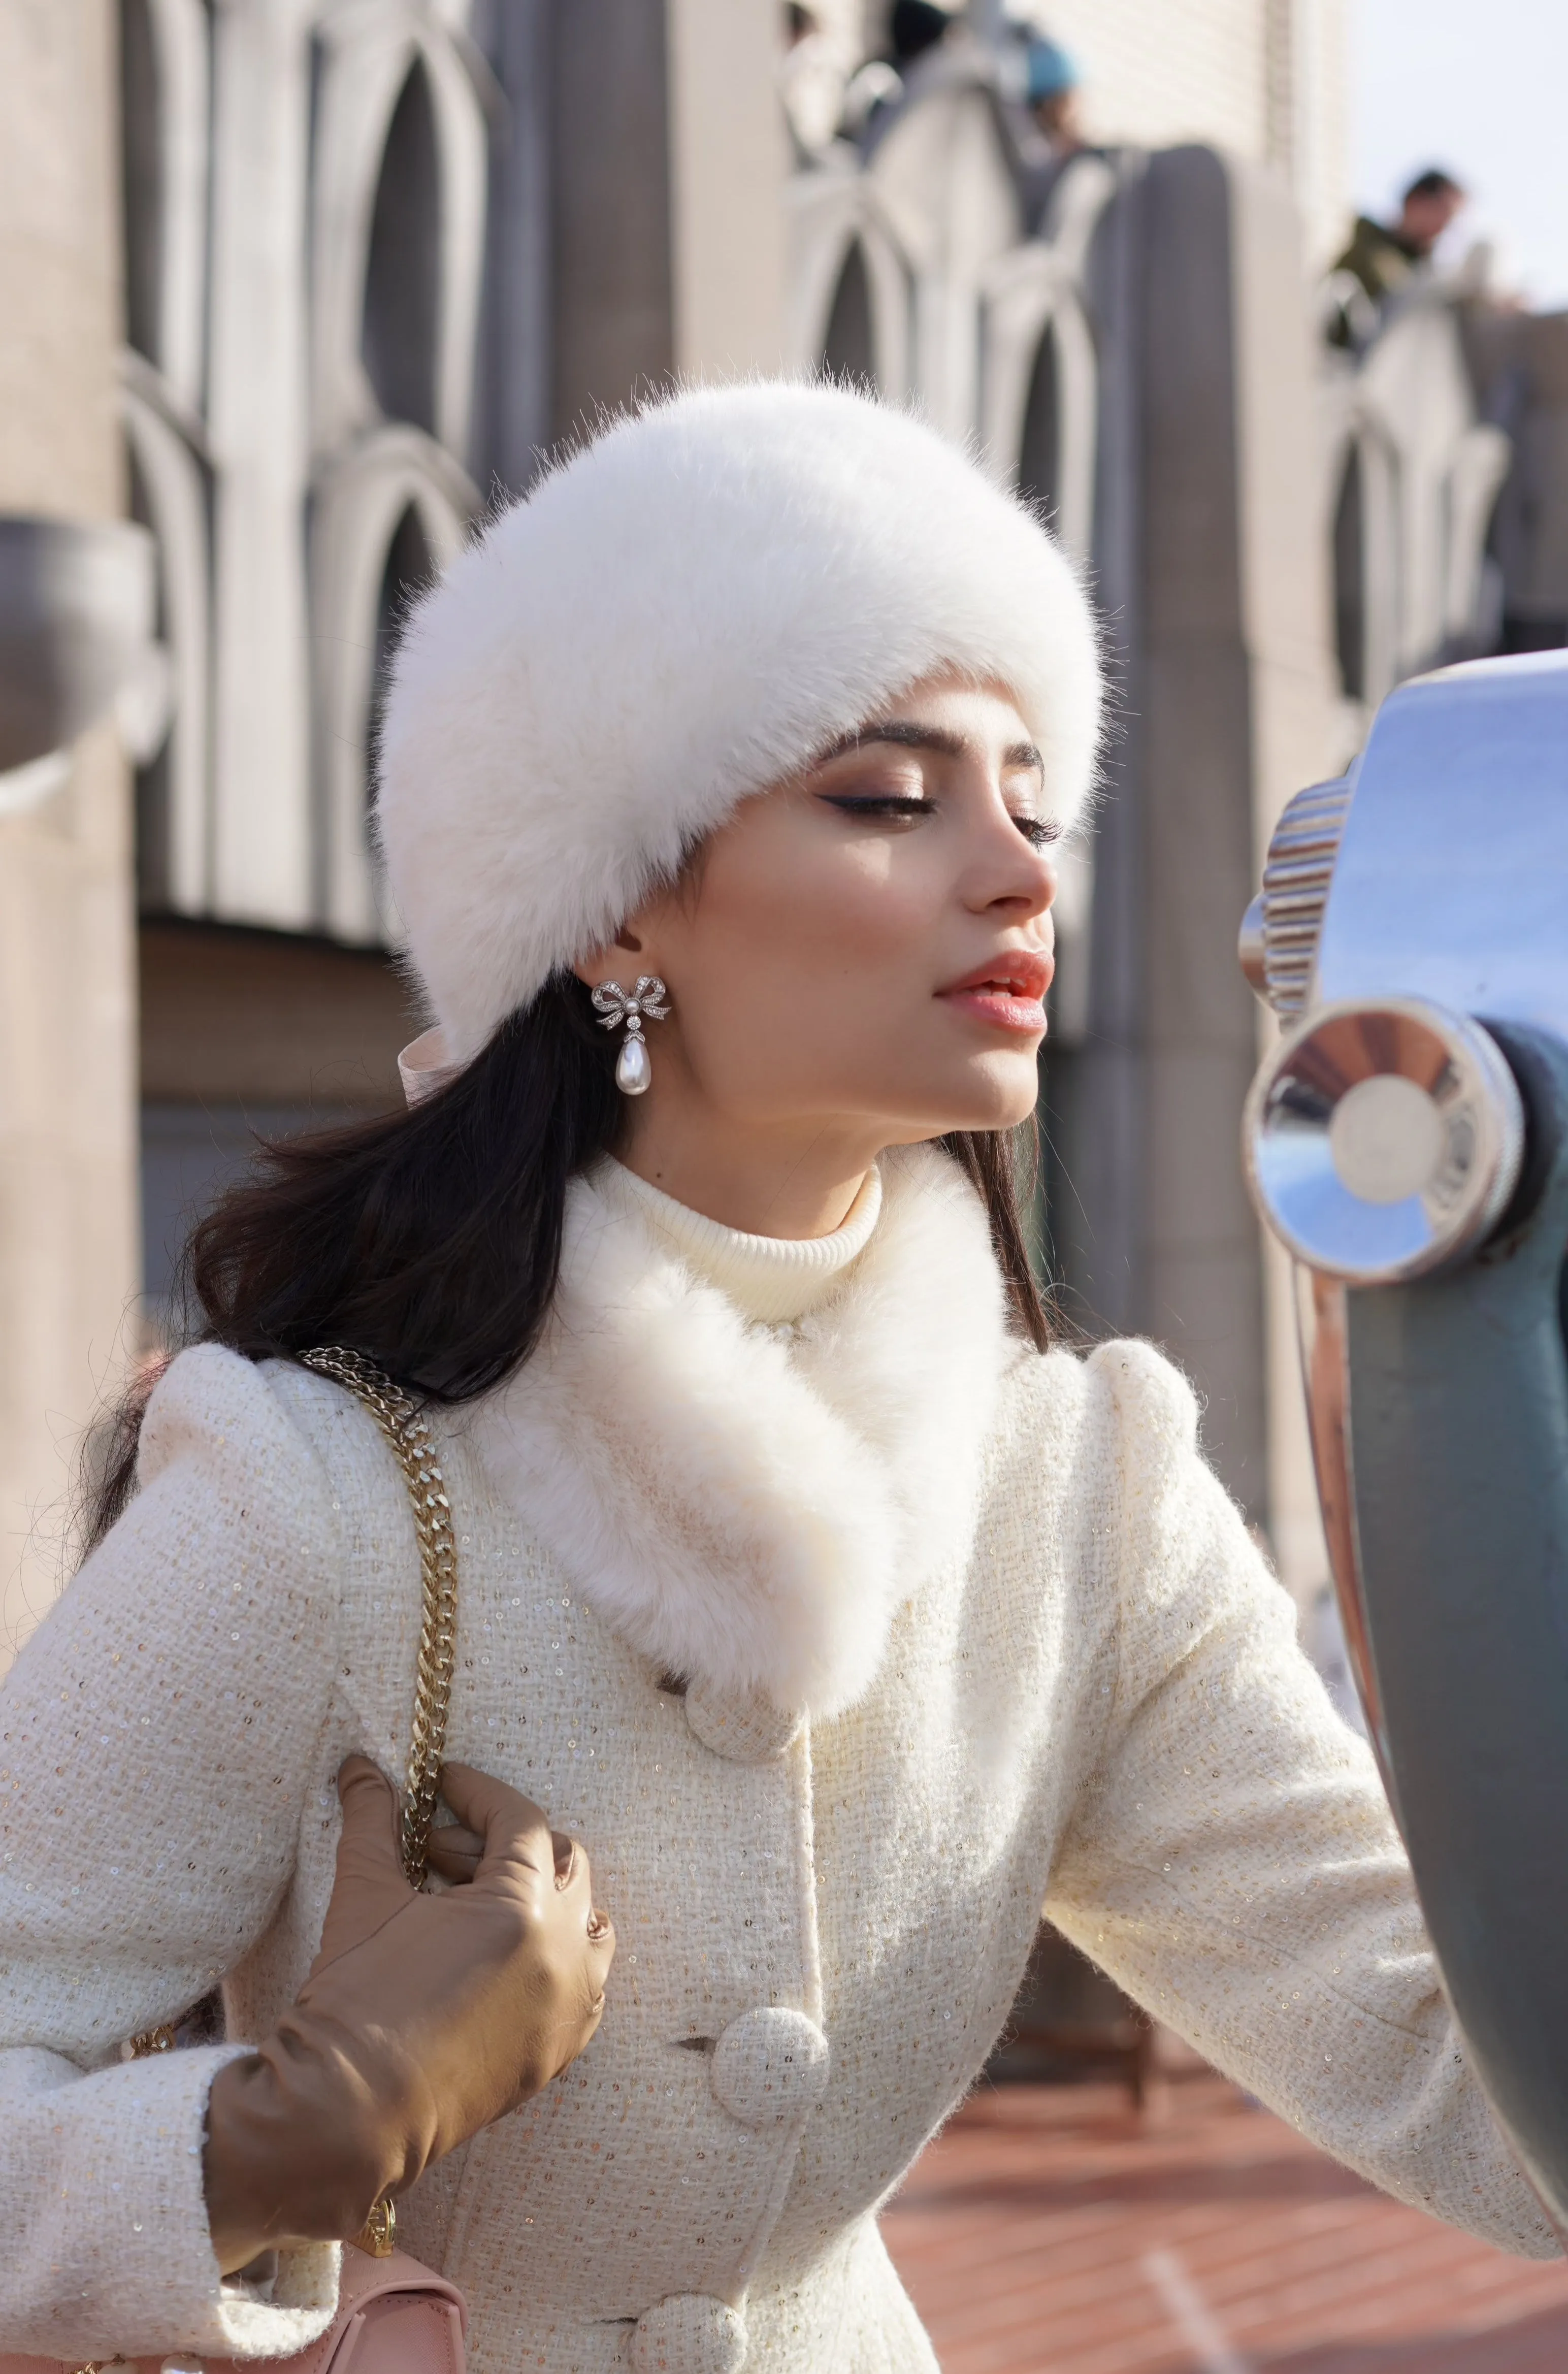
(1479, 87)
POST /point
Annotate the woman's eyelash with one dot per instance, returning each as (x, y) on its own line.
(889, 804)
(1040, 832)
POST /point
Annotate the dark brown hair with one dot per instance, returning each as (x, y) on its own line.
(430, 1240)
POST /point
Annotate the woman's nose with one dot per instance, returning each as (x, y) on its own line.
(1013, 873)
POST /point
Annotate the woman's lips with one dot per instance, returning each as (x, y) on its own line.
(1008, 993)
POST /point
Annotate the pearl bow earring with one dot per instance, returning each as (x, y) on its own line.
(634, 1070)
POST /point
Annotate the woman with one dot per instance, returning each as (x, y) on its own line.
(841, 1618)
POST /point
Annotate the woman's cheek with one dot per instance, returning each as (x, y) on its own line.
(879, 902)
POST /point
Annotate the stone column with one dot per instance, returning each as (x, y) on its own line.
(1522, 360)
(728, 163)
(257, 422)
(1211, 560)
(612, 332)
(1236, 712)
(68, 1222)
(668, 164)
(1296, 736)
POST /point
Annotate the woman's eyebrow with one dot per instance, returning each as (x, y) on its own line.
(910, 736)
(907, 737)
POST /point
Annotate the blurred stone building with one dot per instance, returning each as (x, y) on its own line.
(301, 285)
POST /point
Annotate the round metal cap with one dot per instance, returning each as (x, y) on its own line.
(1383, 1139)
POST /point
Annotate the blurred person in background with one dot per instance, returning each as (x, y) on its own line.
(913, 28)
(1383, 261)
(1043, 86)
(1052, 92)
(919, 50)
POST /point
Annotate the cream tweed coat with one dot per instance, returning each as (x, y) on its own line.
(960, 1629)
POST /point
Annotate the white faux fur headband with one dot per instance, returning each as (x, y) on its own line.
(687, 610)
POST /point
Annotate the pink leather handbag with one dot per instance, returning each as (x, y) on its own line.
(394, 2317)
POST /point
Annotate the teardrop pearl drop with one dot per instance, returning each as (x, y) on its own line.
(633, 1070)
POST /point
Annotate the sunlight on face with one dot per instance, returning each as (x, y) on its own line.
(870, 943)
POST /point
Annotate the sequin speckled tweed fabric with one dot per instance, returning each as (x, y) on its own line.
(1099, 1703)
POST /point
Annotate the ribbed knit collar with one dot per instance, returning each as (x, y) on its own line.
(771, 1280)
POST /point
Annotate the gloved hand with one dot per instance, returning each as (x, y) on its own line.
(423, 2019)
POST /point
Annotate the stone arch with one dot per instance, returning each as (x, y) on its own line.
(171, 496)
(851, 287)
(848, 344)
(141, 168)
(1412, 481)
(400, 163)
(1039, 401)
(1348, 556)
(165, 52)
(1040, 453)
(392, 515)
(399, 321)
(410, 565)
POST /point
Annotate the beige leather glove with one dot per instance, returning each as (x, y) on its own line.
(423, 2019)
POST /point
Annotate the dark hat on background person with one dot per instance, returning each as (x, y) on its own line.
(916, 26)
(1435, 182)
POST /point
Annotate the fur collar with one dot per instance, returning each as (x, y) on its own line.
(749, 1507)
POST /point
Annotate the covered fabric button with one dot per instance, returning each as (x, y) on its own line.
(770, 2067)
(751, 1730)
(689, 2334)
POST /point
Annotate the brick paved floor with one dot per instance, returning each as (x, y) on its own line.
(1048, 2232)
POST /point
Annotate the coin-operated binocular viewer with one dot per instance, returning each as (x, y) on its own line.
(1407, 1141)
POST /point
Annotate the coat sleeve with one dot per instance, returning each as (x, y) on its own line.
(1231, 1862)
(157, 1742)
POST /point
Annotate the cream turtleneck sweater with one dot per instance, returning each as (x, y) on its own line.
(771, 1280)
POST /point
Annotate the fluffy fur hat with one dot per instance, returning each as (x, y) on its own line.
(684, 612)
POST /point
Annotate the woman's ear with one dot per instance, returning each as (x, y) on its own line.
(644, 924)
(603, 964)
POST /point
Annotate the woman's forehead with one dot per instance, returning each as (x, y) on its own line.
(943, 713)
(950, 687)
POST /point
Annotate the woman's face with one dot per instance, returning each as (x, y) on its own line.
(862, 951)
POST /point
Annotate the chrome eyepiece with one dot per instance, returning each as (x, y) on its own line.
(1383, 1139)
(1278, 947)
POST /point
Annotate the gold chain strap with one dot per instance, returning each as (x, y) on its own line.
(404, 1424)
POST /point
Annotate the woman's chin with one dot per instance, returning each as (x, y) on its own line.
(1002, 1091)
(995, 1101)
